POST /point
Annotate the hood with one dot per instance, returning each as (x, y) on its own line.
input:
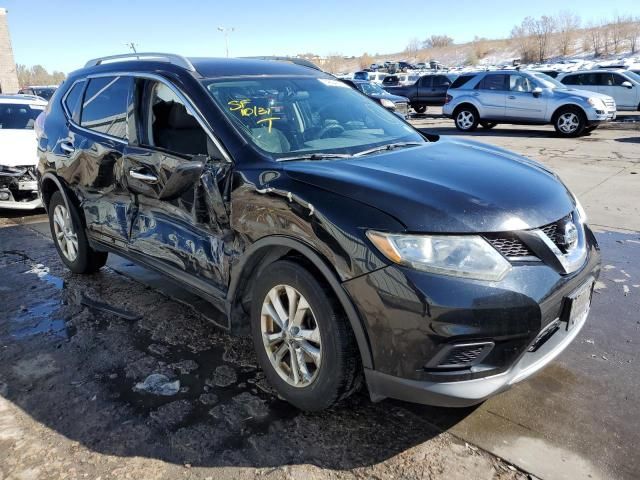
(574, 92)
(18, 148)
(389, 96)
(452, 186)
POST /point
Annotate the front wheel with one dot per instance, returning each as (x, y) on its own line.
(570, 122)
(419, 108)
(302, 339)
(70, 238)
(466, 119)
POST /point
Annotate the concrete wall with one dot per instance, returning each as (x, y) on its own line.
(8, 75)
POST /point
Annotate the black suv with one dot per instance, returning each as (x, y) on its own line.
(346, 242)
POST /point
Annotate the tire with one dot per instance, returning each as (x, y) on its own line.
(466, 118)
(326, 331)
(569, 122)
(419, 108)
(487, 125)
(590, 128)
(77, 255)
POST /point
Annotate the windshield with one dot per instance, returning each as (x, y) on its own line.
(306, 115)
(45, 93)
(547, 81)
(632, 75)
(18, 116)
(371, 89)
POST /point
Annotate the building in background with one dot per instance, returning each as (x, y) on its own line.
(8, 74)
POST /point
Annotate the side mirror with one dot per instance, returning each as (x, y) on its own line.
(536, 92)
(183, 177)
(627, 84)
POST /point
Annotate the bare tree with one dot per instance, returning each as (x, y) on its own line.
(595, 39)
(631, 33)
(480, 46)
(38, 75)
(365, 60)
(616, 29)
(542, 30)
(412, 47)
(334, 62)
(521, 39)
(568, 23)
(435, 41)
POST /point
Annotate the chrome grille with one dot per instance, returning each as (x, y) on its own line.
(551, 230)
(610, 103)
(510, 246)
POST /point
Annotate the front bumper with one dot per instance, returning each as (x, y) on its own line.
(19, 188)
(412, 317)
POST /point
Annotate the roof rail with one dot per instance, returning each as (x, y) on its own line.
(177, 60)
(298, 61)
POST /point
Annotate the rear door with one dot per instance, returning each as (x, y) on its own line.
(521, 103)
(90, 158)
(491, 94)
(439, 86)
(423, 88)
(178, 179)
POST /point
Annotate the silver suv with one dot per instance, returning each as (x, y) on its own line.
(525, 97)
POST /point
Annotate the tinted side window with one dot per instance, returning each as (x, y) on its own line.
(104, 108)
(425, 81)
(492, 82)
(618, 79)
(570, 80)
(441, 81)
(72, 100)
(519, 83)
(461, 80)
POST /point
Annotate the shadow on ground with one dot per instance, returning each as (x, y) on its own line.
(75, 369)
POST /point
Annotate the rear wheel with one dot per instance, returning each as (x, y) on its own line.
(419, 108)
(487, 125)
(466, 118)
(70, 239)
(569, 122)
(302, 339)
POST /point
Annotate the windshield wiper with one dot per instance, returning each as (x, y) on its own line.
(314, 156)
(389, 146)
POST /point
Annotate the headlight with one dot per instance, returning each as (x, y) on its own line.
(580, 209)
(597, 103)
(468, 256)
(387, 103)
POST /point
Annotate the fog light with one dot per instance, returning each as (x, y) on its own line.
(4, 196)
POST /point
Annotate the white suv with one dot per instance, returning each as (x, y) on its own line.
(18, 151)
(524, 97)
(622, 85)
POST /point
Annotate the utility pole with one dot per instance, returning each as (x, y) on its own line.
(131, 46)
(226, 31)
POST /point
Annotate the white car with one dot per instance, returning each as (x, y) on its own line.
(622, 85)
(18, 151)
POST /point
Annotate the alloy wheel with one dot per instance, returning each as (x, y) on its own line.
(465, 119)
(65, 234)
(568, 122)
(291, 336)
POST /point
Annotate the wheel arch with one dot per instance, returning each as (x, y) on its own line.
(266, 251)
(565, 106)
(49, 184)
(466, 103)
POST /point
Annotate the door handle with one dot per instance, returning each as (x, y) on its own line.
(144, 177)
(511, 97)
(67, 147)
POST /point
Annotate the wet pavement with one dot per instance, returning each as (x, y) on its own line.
(80, 354)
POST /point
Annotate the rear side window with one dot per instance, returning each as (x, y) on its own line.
(461, 80)
(104, 107)
(425, 81)
(72, 100)
(493, 82)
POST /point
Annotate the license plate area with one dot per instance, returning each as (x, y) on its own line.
(578, 305)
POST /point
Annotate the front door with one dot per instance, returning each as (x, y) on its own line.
(424, 89)
(179, 224)
(625, 97)
(521, 103)
(439, 87)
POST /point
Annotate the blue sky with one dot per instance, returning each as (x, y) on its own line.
(63, 34)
